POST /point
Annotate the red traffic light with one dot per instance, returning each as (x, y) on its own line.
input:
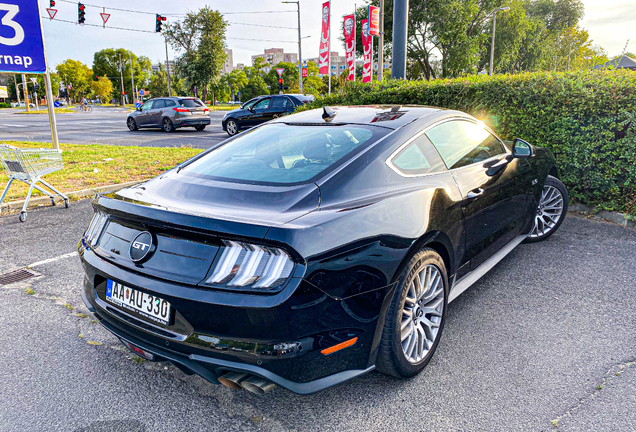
(280, 80)
(52, 3)
(158, 17)
(81, 7)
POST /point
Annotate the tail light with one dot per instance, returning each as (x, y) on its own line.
(182, 110)
(247, 266)
(95, 228)
(206, 110)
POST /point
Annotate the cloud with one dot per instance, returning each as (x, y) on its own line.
(620, 14)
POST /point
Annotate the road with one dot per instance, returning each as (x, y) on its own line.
(105, 125)
(549, 334)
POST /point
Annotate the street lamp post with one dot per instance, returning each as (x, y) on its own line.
(300, 52)
(492, 43)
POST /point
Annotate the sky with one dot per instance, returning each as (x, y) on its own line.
(610, 24)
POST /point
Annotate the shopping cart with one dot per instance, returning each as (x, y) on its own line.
(28, 166)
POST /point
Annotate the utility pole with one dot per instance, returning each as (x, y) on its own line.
(492, 42)
(132, 77)
(17, 89)
(381, 43)
(329, 48)
(167, 67)
(300, 52)
(121, 73)
(26, 92)
(400, 33)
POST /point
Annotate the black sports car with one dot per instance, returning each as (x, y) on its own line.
(317, 247)
(260, 110)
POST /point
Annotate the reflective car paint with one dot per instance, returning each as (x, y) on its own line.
(350, 234)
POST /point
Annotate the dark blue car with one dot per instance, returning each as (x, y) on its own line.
(262, 109)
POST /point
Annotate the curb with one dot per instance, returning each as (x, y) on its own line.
(616, 217)
(16, 205)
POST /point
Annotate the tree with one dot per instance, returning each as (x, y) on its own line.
(290, 78)
(200, 37)
(106, 63)
(158, 84)
(256, 85)
(77, 75)
(102, 88)
(236, 80)
(312, 84)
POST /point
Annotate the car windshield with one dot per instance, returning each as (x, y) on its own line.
(190, 103)
(249, 104)
(284, 154)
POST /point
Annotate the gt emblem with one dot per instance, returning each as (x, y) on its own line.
(141, 247)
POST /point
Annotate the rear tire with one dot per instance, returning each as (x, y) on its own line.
(551, 211)
(167, 125)
(23, 216)
(200, 127)
(415, 319)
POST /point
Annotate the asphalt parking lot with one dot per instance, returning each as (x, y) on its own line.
(548, 336)
(105, 125)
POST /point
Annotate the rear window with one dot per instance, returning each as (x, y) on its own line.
(284, 154)
(190, 103)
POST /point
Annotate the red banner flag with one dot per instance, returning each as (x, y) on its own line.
(350, 44)
(323, 54)
(367, 46)
(374, 20)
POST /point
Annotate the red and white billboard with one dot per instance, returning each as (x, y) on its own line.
(374, 21)
(367, 47)
(304, 72)
(350, 44)
(323, 54)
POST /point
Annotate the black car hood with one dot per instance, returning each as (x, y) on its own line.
(254, 204)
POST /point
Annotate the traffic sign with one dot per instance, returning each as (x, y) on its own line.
(141, 92)
(105, 17)
(33, 80)
(52, 12)
(280, 71)
(138, 104)
(21, 41)
(56, 104)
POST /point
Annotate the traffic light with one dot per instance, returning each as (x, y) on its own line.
(81, 13)
(280, 83)
(36, 87)
(52, 4)
(159, 23)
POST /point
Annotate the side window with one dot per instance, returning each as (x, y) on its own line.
(159, 104)
(170, 103)
(281, 102)
(146, 106)
(419, 157)
(263, 104)
(461, 143)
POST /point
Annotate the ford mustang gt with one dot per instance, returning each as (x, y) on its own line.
(316, 247)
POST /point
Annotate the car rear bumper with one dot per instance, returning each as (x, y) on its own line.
(196, 121)
(286, 357)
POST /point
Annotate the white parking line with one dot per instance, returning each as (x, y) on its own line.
(50, 260)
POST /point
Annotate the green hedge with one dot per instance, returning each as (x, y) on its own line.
(587, 119)
(5, 105)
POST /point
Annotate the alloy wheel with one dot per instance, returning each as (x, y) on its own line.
(167, 125)
(131, 124)
(422, 313)
(231, 127)
(548, 213)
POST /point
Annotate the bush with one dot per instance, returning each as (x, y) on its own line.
(587, 119)
(5, 105)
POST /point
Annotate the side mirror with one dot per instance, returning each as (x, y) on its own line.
(521, 149)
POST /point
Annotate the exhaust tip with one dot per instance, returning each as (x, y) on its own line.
(233, 380)
(257, 385)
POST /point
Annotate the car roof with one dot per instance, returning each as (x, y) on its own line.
(389, 116)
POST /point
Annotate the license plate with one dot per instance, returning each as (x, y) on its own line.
(199, 112)
(146, 305)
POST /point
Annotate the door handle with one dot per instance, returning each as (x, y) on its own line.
(475, 193)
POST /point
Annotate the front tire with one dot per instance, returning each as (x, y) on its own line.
(553, 205)
(231, 127)
(167, 125)
(132, 124)
(415, 319)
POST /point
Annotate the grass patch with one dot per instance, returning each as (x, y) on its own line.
(81, 315)
(69, 306)
(94, 343)
(46, 111)
(88, 166)
(29, 291)
(138, 360)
